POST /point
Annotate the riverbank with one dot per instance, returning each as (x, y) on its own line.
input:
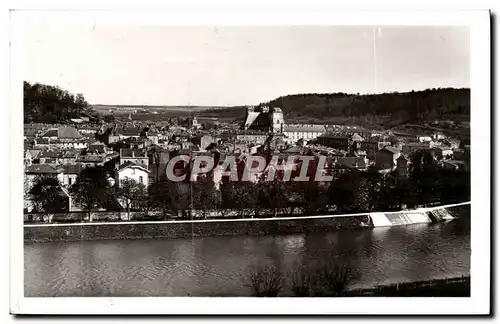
(230, 227)
(448, 287)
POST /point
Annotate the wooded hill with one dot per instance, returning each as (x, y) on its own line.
(382, 109)
(50, 104)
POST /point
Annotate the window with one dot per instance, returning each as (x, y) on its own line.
(140, 179)
(69, 181)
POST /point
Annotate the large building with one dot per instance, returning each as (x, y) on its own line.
(264, 119)
(293, 133)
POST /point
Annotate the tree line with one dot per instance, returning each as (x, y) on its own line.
(414, 106)
(350, 191)
(51, 104)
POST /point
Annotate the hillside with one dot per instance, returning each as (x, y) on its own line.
(386, 109)
(50, 104)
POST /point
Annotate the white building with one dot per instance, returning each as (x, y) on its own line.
(133, 171)
(293, 133)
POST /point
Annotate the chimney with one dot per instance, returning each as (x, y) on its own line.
(133, 153)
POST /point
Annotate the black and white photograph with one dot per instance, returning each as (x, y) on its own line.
(262, 160)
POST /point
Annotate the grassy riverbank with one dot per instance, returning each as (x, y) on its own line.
(449, 287)
(329, 279)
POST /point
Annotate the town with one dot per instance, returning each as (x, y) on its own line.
(112, 165)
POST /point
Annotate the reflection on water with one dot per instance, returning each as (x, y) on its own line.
(220, 266)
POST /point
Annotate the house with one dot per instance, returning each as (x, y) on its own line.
(445, 151)
(30, 157)
(293, 133)
(127, 132)
(439, 136)
(334, 141)
(136, 156)
(274, 141)
(71, 173)
(62, 133)
(386, 157)
(67, 144)
(132, 143)
(203, 141)
(352, 162)
(357, 138)
(411, 148)
(424, 138)
(254, 137)
(96, 148)
(35, 170)
(441, 152)
(151, 135)
(133, 171)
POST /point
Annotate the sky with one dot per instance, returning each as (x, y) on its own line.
(244, 65)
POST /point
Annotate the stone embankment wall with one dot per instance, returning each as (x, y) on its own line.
(180, 229)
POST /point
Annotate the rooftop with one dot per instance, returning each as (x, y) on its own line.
(63, 133)
(42, 169)
(391, 149)
(352, 162)
(132, 165)
(125, 152)
(72, 168)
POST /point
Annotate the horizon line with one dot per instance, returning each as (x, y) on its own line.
(280, 96)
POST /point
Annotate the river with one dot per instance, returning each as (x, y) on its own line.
(220, 266)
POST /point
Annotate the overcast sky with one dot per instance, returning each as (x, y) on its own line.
(241, 65)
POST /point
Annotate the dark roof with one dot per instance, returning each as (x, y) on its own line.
(332, 136)
(130, 131)
(42, 141)
(90, 158)
(125, 152)
(351, 161)
(129, 164)
(72, 168)
(391, 149)
(50, 154)
(51, 133)
(42, 169)
(63, 133)
(99, 148)
(417, 144)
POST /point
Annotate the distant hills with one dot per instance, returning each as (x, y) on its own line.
(43, 103)
(386, 109)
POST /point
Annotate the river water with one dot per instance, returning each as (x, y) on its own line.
(220, 266)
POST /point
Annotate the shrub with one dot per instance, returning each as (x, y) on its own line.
(331, 279)
(266, 282)
(301, 282)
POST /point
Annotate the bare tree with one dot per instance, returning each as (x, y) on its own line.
(301, 281)
(266, 281)
(129, 193)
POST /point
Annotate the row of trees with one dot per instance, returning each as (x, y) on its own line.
(349, 191)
